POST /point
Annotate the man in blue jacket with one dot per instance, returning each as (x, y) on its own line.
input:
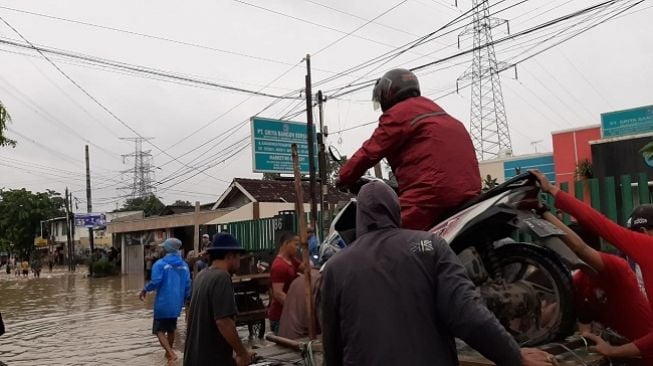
(171, 280)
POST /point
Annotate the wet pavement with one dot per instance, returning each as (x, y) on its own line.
(68, 319)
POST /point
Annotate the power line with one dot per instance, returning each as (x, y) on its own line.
(494, 42)
(145, 35)
(140, 69)
(209, 167)
(611, 17)
(582, 75)
(312, 23)
(29, 103)
(360, 27)
(95, 100)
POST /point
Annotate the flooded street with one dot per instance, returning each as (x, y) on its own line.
(68, 319)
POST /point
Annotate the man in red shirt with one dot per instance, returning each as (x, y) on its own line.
(429, 151)
(612, 295)
(284, 270)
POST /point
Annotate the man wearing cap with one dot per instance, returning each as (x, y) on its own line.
(211, 335)
(171, 281)
(205, 242)
(636, 242)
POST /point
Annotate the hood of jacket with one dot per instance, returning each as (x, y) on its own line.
(173, 259)
(377, 207)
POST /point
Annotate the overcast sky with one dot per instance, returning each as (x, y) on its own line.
(243, 45)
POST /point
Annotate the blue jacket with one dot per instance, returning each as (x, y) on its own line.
(171, 280)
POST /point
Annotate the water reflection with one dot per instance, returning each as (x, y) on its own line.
(68, 319)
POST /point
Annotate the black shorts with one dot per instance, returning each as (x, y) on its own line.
(164, 325)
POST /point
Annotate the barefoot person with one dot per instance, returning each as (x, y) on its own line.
(171, 281)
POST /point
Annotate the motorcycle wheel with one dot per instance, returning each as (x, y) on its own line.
(540, 268)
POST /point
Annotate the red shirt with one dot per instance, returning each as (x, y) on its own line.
(612, 298)
(281, 272)
(637, 246)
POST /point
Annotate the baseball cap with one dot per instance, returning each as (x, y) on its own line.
(642, 217)
(171, 245)
(225, 242)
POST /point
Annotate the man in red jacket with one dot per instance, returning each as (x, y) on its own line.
(430, 152)
(617, 282)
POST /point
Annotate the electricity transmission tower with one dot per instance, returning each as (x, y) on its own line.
(143, 170)
(488, 122)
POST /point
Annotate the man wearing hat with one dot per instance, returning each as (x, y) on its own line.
(636, 242)
(206, 240)
(171, 281)
(211, 335)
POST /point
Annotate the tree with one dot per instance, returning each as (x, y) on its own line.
(150, 205)
(333, 169)
(4, 119)
(21, 213)
(489, 183)
(271, 176)
(182, 203)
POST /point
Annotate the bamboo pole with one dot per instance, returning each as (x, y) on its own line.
(299, 207)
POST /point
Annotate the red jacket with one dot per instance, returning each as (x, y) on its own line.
(430, 152)
(636, 245)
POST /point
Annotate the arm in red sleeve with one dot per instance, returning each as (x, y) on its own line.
(636, 245)
(645, 346)
(388, 136)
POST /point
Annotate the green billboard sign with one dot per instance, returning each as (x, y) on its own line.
(271, 145)
(627, 122)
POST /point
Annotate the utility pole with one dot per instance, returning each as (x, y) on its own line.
(89, 208)
(311, 147)
(68, 241)
(72, 231)
(324, 188)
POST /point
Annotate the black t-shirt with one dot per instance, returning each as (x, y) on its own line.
(212, 299)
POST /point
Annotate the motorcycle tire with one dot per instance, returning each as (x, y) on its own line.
(549, 262)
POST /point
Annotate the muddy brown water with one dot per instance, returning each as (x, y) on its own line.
(68, 319)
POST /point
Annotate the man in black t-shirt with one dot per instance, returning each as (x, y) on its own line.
(212, 337)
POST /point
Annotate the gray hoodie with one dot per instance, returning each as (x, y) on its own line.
(399, 297)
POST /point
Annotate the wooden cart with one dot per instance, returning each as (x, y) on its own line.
(251, 298)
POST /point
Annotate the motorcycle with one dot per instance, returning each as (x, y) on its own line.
(526, 284)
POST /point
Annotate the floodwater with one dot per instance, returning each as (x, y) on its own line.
(69, 319)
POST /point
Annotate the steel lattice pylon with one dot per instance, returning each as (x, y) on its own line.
(488, 122)
(143, 170)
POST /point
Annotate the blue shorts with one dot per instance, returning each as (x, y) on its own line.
(164, 325)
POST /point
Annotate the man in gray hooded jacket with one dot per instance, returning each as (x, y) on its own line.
(399, 297)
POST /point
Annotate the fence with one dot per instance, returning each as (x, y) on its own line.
(261, 235)
(614, 198)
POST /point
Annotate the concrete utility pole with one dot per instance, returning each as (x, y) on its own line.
(71, 228)
(311, 147)
(324, 188)
(68, 241)
(89, 208)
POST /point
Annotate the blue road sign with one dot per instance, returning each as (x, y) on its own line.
(271, 145)
(628, 122)
(90, 220)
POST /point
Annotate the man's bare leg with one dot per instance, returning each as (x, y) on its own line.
(170, 354)
(171, 339)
